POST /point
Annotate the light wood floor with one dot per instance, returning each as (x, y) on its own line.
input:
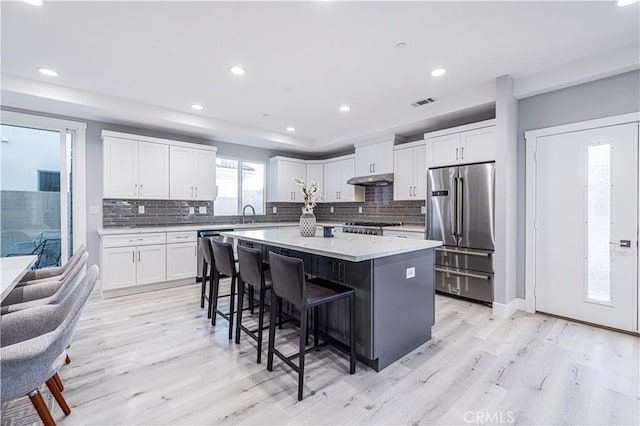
(153, 359)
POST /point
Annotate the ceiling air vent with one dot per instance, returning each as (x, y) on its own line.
(424, 102)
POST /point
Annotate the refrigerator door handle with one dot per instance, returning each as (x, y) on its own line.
(456, 209)
(459, 208)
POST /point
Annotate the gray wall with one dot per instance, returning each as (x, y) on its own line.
(597, 99)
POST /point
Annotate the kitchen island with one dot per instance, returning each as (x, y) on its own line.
(393, 279)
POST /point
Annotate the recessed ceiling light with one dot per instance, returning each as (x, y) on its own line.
(48, 72)
(625, 2)
(438, 72)
(237, 70)
(34, 2)
(401, 45)
(291, 129)
(197, 106)
(345, 108)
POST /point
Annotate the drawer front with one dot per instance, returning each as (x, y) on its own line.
(124, 240)
(471, 284)
(404, 234)
(475, 260)
(182, 237)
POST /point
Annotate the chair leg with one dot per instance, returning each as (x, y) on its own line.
(303, 341)
(316, 319)
(352, 334)
(53, 388)
(204, 284)
(272, 332)
(280, 313)
(215, 283)
(41, 408)
(306, 338)
(232, 300)
(251, 299)
(58, 381)
(67, 360)
(240, 307)
(261, 322)
(210, 311)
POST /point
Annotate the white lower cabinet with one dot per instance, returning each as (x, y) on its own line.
(151, 264)
(131, 260)
(181, 260)
(118, 267)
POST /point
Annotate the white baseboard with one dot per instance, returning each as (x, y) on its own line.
(107, 294)
(501, 310)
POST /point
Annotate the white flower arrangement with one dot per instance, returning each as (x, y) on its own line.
(311, 193)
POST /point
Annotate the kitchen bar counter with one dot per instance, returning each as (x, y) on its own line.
(344, 246)
(393, 279)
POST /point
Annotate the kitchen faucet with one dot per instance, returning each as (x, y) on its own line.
(253, 211)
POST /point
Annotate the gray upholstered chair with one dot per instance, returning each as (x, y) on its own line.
(50, 274)
(46, 292)
(33, 347)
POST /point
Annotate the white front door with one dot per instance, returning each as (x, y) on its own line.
(586, 225)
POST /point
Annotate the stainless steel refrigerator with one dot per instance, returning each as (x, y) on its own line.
(461, 215)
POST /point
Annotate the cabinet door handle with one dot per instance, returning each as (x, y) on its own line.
(138, 255)
(374, 167)
(135, 189)
(133, 256)
(462, 153)
(192, 192)
(141, 190)
(196, 192)
(457, 153)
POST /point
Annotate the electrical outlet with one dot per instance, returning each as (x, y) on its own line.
(140, 209)
(94, 209)
(331, 209)
(275, 210)
(411, 272)
(423, 209)
(202, 210)
(359, 209)
(192, 210)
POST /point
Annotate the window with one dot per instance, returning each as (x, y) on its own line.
(239, 183)
(48, 181)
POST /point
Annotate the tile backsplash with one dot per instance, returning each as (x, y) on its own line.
(378, 206)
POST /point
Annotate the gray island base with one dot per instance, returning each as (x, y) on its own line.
(393, 279)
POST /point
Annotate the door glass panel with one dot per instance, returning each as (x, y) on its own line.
(598, 222)
(30, 188)
(70, 155)
(226, 203)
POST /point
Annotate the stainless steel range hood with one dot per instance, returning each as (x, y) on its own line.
(372, 180)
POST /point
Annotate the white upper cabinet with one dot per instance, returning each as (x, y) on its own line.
(473, 143)
(150, 168)
(409, 182)
(477, 146)
(376, 158)
(134, 169)
(315, 173)
(204, 174)
(193, 174)
(120, 168)
(153, 170)
(282, 187)
(337, 172)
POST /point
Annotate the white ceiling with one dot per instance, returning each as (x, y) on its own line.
(303, 60)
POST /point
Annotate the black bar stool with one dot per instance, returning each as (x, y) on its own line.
(254, 273)
(289, 283)
(224, 264)
(207, 273)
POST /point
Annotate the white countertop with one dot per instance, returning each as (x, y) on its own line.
(406, 228)
(118, 231)
(12, 269)
(351, 247)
